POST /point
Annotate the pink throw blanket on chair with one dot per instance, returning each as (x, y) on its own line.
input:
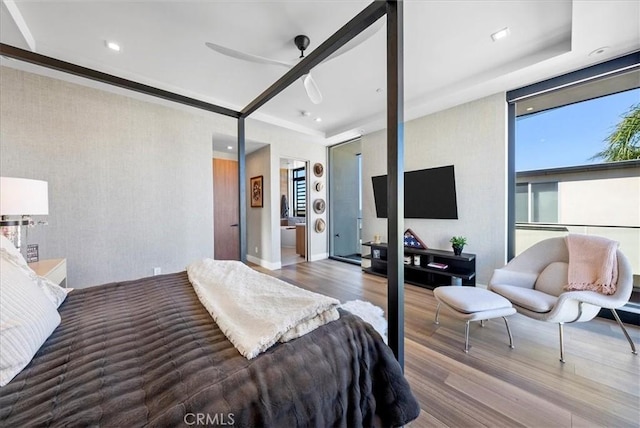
(593, 264)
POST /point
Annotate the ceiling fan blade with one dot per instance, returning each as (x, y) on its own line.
(245, 56)
(312, 89)
(358, 40)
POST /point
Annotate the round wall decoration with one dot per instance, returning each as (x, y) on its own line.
(318, 186)
(318, 206)
(320, 225)
(318, 169)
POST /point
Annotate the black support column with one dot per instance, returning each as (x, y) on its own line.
(242, 188)
(395, 178)
(511, 180)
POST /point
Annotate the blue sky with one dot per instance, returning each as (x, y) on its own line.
(569, 135)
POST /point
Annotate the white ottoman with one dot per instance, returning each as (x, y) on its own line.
(473, 304)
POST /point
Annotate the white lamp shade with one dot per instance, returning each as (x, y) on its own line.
(22, 196)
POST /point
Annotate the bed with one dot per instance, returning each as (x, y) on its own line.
(147, 353)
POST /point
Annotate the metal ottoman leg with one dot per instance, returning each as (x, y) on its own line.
(466, 337)
(509, 333)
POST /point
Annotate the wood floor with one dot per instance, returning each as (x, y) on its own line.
(493, 385)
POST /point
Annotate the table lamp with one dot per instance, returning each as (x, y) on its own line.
(21, 198)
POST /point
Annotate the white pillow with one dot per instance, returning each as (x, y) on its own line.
(53, 291)
(553, 279)
(27, 319)
(8, 246)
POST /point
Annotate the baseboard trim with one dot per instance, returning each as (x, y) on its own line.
(265, 264)
(316, 257)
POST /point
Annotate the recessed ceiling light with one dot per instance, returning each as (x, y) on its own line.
(305, 113)
(113, 46)
(599, 51)
(229, 147)
(529, 108)
(318, 119)
(500, 34)
(379, 90)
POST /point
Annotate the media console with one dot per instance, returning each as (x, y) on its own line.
(420, 273)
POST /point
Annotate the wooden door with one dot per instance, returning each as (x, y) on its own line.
(225, 210)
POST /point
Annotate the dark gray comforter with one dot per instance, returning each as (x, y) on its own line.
(146, 353)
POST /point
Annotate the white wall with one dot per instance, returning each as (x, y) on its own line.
(259, 219)
(130, 182)
(472, 137)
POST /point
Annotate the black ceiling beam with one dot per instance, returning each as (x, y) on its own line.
(67, 67)
(359, 23)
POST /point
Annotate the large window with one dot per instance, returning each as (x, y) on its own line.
(572, 173)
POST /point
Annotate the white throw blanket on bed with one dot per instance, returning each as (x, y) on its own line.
(255, 310)
(370, 313)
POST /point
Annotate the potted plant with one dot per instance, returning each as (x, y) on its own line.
(458, 243)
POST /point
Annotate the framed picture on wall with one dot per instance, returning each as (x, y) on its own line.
(256, 192)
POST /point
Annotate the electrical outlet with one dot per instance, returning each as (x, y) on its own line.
(256, 250)
(157, 271)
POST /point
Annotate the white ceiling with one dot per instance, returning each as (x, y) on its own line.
(449, 55)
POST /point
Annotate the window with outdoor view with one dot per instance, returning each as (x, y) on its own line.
(577, 164)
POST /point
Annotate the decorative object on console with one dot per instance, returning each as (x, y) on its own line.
(437, 265)
(256, 192)
(22, 198)
(411, 240)
(458, 243)
(318, 206)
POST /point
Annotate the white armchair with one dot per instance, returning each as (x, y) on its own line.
(534, 283)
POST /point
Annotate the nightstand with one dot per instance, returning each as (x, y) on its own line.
(54, 270)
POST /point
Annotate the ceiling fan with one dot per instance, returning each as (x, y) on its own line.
(301, 42)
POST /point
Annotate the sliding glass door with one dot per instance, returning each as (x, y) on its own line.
(345, 225)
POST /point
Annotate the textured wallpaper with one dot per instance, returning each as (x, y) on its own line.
(130, 185)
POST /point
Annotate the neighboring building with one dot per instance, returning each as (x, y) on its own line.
(601, 199)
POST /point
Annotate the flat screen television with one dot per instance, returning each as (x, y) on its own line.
(428, 193)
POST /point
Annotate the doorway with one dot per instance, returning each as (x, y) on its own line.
(345, 191)
(293, 211)
(225, 210)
